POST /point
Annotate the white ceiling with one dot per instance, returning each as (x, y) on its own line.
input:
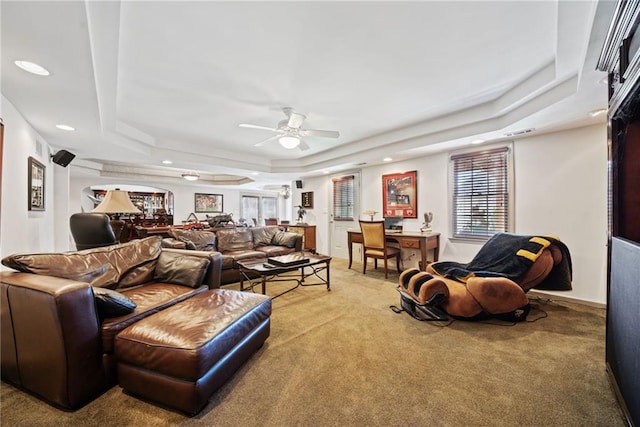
(146, 81)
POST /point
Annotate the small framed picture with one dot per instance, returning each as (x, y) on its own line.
(307, 200)
(35, 185)
(209, 203)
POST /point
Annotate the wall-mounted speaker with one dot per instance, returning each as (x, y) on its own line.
(62, 158)
(299, 183)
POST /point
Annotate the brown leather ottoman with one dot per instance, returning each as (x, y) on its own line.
(181, 355)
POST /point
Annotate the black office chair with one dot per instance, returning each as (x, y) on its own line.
(91, 230)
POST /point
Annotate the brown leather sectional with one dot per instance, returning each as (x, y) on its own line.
(237, 245)
(182, 341)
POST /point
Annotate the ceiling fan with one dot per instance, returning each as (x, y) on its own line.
(289, 132)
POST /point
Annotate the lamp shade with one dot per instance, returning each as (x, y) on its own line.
(116, 201)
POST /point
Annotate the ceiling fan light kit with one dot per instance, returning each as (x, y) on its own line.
(286, 191)
(289, 141)
(290, 132)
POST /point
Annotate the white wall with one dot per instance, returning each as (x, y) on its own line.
(23, 230)
(560, 188)
(563, 191)
(560, 181)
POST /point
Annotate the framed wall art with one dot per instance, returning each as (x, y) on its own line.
(400, 195)
(209, 203)
(35, 185)
(307, 200)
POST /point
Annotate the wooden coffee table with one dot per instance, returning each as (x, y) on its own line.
(262, 272)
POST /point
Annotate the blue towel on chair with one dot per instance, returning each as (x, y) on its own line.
(511, 256)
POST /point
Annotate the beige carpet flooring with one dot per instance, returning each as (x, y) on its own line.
(343, 358)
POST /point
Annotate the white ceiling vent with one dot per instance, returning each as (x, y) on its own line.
(519, 132)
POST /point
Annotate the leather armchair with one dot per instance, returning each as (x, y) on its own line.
(91, 230)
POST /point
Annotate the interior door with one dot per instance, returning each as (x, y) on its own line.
(344, 208)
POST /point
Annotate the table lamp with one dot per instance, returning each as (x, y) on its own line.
(114, 204)
(371, 213)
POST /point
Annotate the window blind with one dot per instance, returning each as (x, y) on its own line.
(480, 193)
(343, 198)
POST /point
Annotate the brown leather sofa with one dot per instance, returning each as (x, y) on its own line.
(74, 324)
(254, 243)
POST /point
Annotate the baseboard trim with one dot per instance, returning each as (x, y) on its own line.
(543, 294)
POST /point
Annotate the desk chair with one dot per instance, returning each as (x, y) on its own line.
(271, 221)
(375, 246)
(91, 230)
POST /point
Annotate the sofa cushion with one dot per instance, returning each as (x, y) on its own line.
(270, 251)
(232, 240)
(245, 256)
(111, 303)
(181, 269)
(150, 298)
(130, 263)
(262, 236)
(285, 238)
(202, 240)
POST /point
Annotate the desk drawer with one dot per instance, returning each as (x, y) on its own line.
(410, 243)
(432, 243)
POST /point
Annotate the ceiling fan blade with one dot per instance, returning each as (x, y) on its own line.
(261, 143)
(295, 120)
(245, 125)
(303, 146)
(322, 133)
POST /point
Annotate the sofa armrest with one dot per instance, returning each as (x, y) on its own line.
(298, 246)
(212, 278)
(50, 338)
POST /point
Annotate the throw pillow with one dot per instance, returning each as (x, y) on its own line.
(181, 269)
(202, 240)
(111, 303)
(188, 243)
(130, 262)
(285, 238)
(262, 236)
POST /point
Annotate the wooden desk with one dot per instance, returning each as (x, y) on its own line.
(407, 240)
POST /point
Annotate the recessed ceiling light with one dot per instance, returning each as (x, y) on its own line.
(32, 67)
(595, 113)
(255, 173)
(387, 159)
(167, 162)
(477, 141)
(325, 172)
(65, 127)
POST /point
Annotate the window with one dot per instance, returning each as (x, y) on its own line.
(250, 208)
(269, 207)
(258, 207)
(343, 198)
(481, 193)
